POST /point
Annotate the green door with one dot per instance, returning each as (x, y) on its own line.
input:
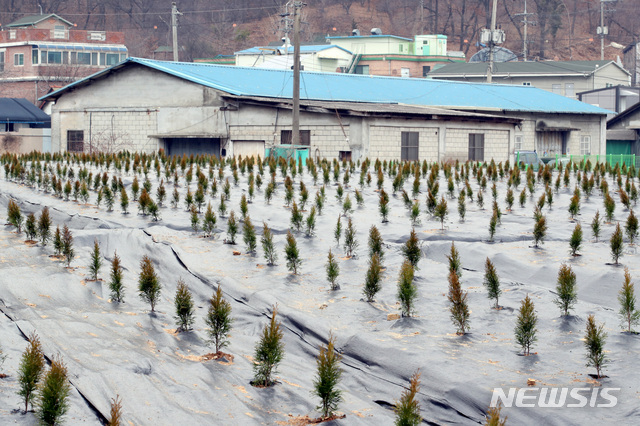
(619, 147)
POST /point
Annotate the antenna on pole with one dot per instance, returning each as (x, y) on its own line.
(174, 29)
(491, 40)
(526, 22)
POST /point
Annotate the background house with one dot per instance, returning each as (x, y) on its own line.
(623, 132)
(616, 98)
(41, 51)
(23, 127)
(561, 77)
(234, 110)
(389, 55)
(631, 62)
(320, 58)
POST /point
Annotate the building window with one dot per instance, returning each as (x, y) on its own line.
(568, 90)
(585, 145)
(362, 69)
(1, 61)
(557, 89)
(112, 58)
(34, 57)
(517, 146)
(344, 155)
(476, 146)
(526, 83)
(83, 58)
(425, 70)
(18, 59)
(12, 34)
(75, 140)
(401, 48)
(286, 136)
(409, 146)
(7, 127)
(59, 31)
(54, 57)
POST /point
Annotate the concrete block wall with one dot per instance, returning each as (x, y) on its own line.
(385, 142)
(496, 143)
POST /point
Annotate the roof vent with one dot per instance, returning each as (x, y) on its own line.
(355, 32)
(376, 31)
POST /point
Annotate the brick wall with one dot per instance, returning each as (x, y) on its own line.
(385, 142)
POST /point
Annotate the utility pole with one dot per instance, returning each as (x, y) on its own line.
(526, 23)
(421, 16)
(602, 30)
(494, 12)
(295, 125)
(174, 29)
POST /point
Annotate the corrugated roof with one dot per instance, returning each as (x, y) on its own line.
(370, 36)
(34, 19)
(19, 110)
(303, 49)
(272, 83)
(529, 67)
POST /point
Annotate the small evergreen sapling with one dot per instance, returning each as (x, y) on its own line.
(96, 261)
(337, 233)
(209, 221)
(576, 240)
(249, 235)
(459, 309)
(375, 243)
(115, 283)
(327, 378)
(350, 241)
(115, 413)
(269, 352)
(30, 227)
(232, 228)
(525, 331)
(493, 223)
(270, 254)
(383, 206)
(455, 264)
(566, 289)
(54, 394)
(311, 222)
(67, 245)
(407, 290)
(609, 207)
(494, 416)
(44, 226)
(218, 320)
(124, 200)
(617, 244)
(333, 270)
(372, 281)
(441, 211)
(292, 254)
(14, 215)
(30, 370)
(183, 303)
(631, 227)
(492, 282)
(595, 225)
(627, 298)
(195, 219)
(539, 231)
(594, 340)
(149, 286)
(408, 408)
(57, 242)
(411, 249)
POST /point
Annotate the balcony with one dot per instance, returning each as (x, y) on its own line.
(76, 36)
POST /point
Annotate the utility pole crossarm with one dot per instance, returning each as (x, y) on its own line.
(295, 125)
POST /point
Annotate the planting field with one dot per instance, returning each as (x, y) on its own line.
(165, 376)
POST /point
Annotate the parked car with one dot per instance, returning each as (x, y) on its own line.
(529, 159)
(561, 160)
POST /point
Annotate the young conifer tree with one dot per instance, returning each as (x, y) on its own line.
(408, 408)
(595, 225)
(115, 414)
(372, 281)
(54, 394)
(333, 270)
(218, 320)
(539, 231)
(124, 200)
(57, 242)
(270, 254)
(455, 264)
(249, 235)
(629, 314)
(594, 340)
(494, 417)
(327, 378)
(30, 227)
(566, 289)
(116, 286)
(269, 352)
(149, 286)
(209, 221)
(525, 330)
(44, 226)
(631, 227)
(617, 244)
(411, 249)
(407, 290)
(96, 261)
(337, 233)
(14, 215)
(30, 370)
(67, 245)
(459, 308)
(350, 241)
(291, 253)
(376, 243)
(441, 211)
(183, 302)
(576, 240)
(492, 282)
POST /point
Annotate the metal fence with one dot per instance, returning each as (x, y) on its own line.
(612, 159)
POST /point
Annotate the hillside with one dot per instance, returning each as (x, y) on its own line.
(562, 29)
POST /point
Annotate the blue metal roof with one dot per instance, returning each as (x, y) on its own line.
(275, 83)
